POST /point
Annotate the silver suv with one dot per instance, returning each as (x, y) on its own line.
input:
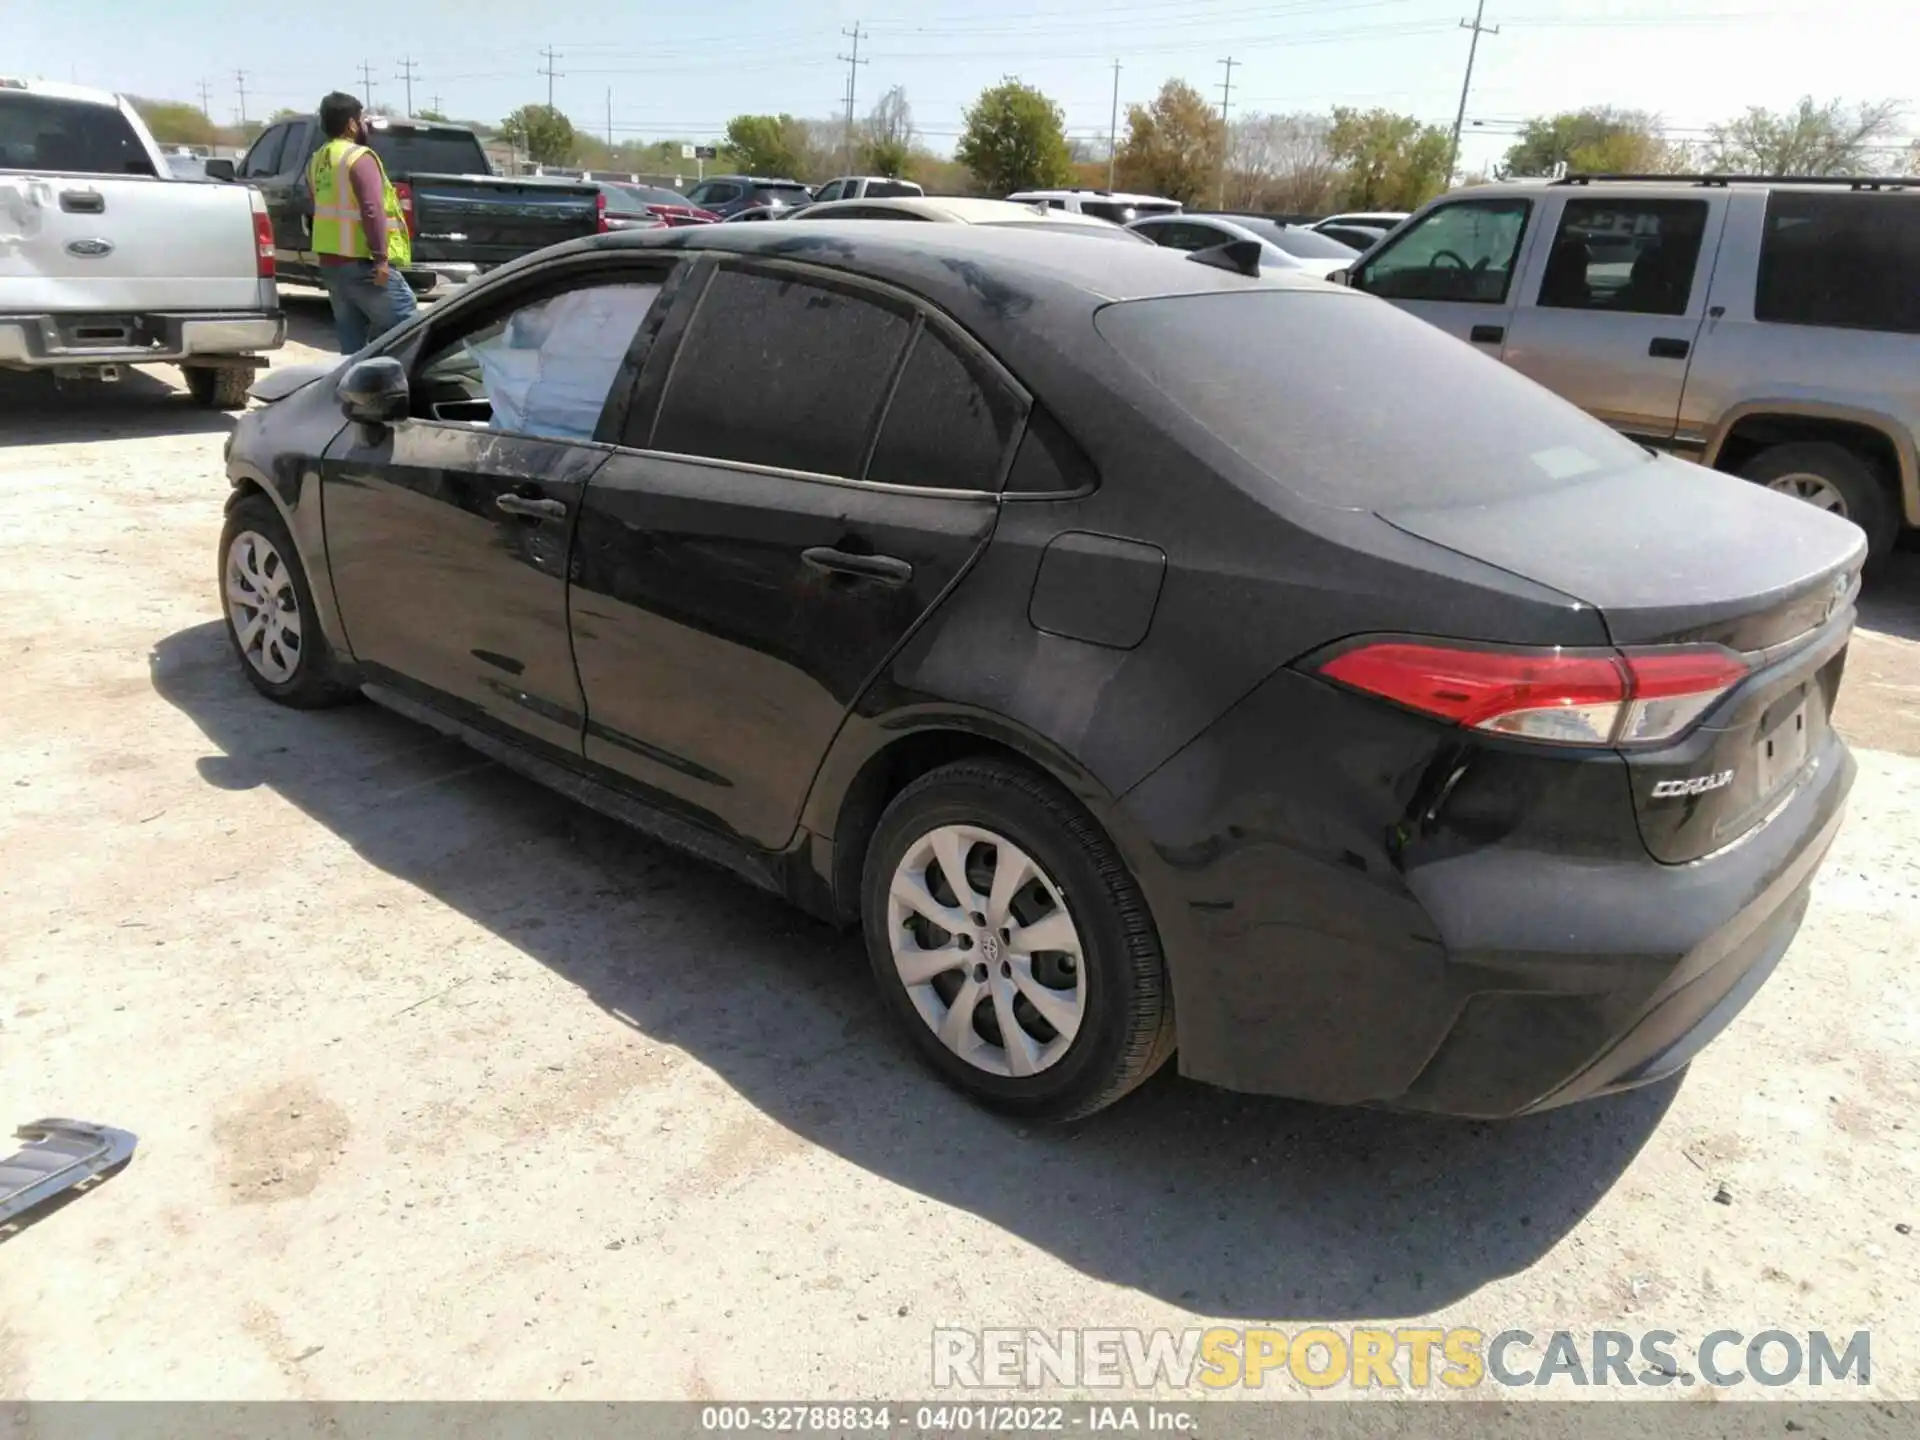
(1768, 327)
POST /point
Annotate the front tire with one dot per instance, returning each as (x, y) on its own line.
(271, 621)
(1834, 479)
(1009, 939)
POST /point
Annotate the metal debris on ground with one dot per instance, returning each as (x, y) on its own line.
(57, 1156)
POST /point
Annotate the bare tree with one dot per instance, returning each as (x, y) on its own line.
(886, 139)
(1281, 163)
(1830, 139)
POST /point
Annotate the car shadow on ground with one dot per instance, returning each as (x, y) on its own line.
(143, 404)
(1224, 1204)
(1890, 598)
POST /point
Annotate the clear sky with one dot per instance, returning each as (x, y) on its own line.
(679, 71)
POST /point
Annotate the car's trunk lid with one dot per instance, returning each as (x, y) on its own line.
(1670, 553)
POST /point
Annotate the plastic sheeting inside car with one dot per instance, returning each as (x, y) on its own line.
(548, 369)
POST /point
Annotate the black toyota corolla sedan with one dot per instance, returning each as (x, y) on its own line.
(1150, 658)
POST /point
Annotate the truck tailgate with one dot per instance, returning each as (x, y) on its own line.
(489, 222)
(132, 244)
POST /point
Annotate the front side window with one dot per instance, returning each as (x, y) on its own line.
(781, 372)
(264, 157)
(1847, 260)
(1634, 256)
(543, 369)
(1462, 252)
(948, 423)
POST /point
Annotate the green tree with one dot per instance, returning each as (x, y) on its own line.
(544, 133)
(1392, 162)
(765, 144)
(1810, 139)
(1596, 141)
(1015, 140)
(1174, 147)
(431, 114)
(175, 123)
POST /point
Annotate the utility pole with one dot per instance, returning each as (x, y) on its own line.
(366, 82)
(1226, 105)
(854, 62)
(609, 117)
(240, 82)
(206, 100)
(1473, 49)
(407, 67)
(1113, 127)
(549, 73)
(433, 103)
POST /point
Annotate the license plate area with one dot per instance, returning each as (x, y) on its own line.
(1785, 739)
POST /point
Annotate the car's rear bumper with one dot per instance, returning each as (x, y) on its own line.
(1348, 927)
(50, 342)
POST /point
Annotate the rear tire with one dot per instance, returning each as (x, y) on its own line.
(1071, 942)
(1837, 480)
(271, 621)
(219, 387)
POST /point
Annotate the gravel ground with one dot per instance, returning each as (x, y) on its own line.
(448, 1088)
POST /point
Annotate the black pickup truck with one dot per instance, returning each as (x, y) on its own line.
(465, 220)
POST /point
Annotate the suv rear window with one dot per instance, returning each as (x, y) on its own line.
(780, 195)
(38, 132)
(1355, 404)
(411, 150)
(1846, 260)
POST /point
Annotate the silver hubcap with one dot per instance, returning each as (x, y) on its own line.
(984, 944)
(262, 607)
(1816, 490)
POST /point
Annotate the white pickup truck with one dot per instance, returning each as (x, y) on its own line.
(107, 261)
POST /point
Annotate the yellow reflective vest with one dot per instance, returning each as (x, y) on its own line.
(336, 213)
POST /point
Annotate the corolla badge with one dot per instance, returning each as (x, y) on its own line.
(1698, 785)
(90, 249)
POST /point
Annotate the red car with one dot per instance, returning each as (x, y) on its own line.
(640, 207)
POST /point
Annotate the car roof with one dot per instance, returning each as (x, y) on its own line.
(1119, 197)
(959, 209)
(751, 180)
(59, 90)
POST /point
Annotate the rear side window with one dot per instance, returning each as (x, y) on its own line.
(948, 424)
(1850, 260)
(1625, 255)
(1355, 404)
(38, 132)
(781, 372)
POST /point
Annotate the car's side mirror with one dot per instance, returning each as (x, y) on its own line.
(220, 168)
(1341, 277)
(374, 391)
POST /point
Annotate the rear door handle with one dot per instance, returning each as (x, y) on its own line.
(1666, 349)
(1488, 334)
(532, 508)
(884, 568)
(83, 202)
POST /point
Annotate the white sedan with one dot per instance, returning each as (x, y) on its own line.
(1282, 247)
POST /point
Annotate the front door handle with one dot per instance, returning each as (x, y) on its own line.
(1665, 349)
(532, 508)
(1488, 334)
(83, 202)
(884, 568)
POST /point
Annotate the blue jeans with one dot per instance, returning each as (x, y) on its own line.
(362, 309)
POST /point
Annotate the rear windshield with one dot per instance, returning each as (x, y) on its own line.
(647, 195)
(38, 132)
(781, 194)
(1353, 403)
(1846, 260)
(1296, 241)
(881, 189)
(413, 151)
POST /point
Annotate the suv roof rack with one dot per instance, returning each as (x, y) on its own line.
(1855, 182)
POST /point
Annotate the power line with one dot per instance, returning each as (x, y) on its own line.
(549, 73)
(1473, 49)
(854, 62)
(1226, 105)
(1113, 128)
(366, 82)
(407, 67)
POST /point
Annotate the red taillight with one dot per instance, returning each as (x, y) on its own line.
(262, 237)
(1571, 697)
(600, 212)
(405, 192)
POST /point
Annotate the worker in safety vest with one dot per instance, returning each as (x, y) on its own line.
(359, 230)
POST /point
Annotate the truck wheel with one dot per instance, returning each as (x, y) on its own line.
(1836, 480)
(218, 387)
